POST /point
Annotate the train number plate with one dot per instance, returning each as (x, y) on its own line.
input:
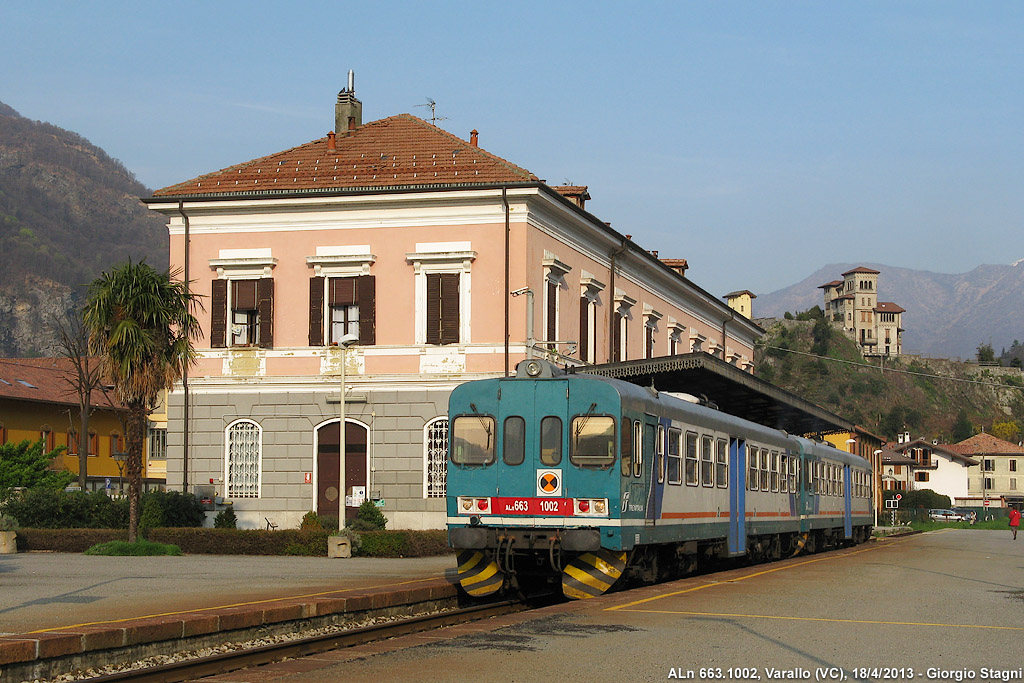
(533, 506)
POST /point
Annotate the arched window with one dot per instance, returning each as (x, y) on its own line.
(243, 460)
(435, 458)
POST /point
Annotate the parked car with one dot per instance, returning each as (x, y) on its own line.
(946, 515)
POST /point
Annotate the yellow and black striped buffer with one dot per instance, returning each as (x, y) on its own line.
(478, 574)
(592, 574)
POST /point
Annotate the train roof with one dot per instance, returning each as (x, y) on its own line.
(730, 389)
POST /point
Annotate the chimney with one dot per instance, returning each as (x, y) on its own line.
(331, 145)
(348, 112)
(473, 137)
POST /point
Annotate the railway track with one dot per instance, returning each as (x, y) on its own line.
(191, 669)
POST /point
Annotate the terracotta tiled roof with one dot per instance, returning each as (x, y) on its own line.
(985, 444)
(572, 190)
(889, 307)
(862, 269)
(675, 263)
(834, 283)
(44, 380)
(941, 448)
(400, 150)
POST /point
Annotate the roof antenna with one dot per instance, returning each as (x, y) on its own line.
(434, 118)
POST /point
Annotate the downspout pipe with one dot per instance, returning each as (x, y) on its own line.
(184, 375)
(504, 200)
(732, 316)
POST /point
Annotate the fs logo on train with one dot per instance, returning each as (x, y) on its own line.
(549, 482)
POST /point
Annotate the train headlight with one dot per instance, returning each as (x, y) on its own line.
(534, 368)
(467, 504)
(600, 507)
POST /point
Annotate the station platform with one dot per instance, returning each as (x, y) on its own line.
(59, 610)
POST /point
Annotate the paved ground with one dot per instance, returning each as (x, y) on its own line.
(46, 590)
(942, 606)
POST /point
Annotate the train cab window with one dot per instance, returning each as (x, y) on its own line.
(783, 470)
(773, 461)
(674, 456)
(691, 459)
(722, 463)
(592, 443)
(752, 478)
(659, 454)
(513, 441)
(626, 448)
(638, 450)
(550, 440)
(472, 441)
(765, 470)
(707, 461)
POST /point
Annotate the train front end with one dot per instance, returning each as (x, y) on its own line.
(533, 492)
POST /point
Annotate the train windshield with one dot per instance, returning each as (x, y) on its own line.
(592, 443)
(473, 440)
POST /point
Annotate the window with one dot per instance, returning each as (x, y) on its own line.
(72, 442)
(784, 469)
(350, 309)
(920, 476)
(794, 464)
(626, 450)
(707, 461)
(988, 483)
(659, 451)
(638, 452)
(1013, 465)
(590, 290)
(472, 440)
(674, 456)
(550, 440)
(157, 444)
(988, 465)
(1013, 483)
(623, 314)
(94, 443)
(242, 469)
(116, 443)
(435, 454)
(443, 286)
(443, 303)
(242, 313)
(765, 470)
(691, 458)
(592, 443)
(648, 341)
(513, 441)
(752, 462)
(773, 461)
(722, 463)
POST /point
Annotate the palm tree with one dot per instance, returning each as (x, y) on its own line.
(141, 325)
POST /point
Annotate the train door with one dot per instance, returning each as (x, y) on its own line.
(847, 504)
(523, 456)
(737, 497)
(650, 472)
(550, 414)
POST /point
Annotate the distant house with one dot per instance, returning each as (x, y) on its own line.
(742, 302)
(897, 470)
(852, 304)
(994, 475)
(38, 401)
(937, 467)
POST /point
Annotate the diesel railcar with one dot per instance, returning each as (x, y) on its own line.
(585, 479)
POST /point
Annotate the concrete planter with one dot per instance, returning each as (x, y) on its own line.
(339, 546)
(8, 543)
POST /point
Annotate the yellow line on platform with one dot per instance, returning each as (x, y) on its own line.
(235, 604)
(835, 621)
(744, 578)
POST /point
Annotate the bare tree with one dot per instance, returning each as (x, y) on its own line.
(85, 377)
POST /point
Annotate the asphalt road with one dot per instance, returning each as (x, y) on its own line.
(946, 606)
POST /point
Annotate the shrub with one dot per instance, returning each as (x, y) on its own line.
(66, 540)
(241, 541)
(41, 508)
(152, 515)
(226, 519)
(383, 544)
(8, 523)
(310, 522)
(138, 549)
(369, 518)
(178, 509)
(25, 464)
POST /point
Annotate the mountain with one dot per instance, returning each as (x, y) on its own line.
(68, 211)
(947, 315)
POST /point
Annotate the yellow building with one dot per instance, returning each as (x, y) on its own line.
(39, 401)
(742, 302)
(868, 446)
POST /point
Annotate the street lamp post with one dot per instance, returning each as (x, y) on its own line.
(875, 483)
(346, 341)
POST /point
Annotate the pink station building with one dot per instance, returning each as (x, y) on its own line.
(397, 261)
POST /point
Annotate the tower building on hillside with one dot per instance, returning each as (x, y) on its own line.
(852, 304)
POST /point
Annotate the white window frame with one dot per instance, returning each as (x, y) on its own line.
(554, 273)
(440, 456)
(442, 257)
(590, 288)
(228, 483)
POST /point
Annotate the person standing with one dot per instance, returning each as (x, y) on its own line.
(1014, 521)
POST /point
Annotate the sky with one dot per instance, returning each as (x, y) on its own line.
(758, 140)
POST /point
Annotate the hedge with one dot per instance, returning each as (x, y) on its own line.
(245, 541)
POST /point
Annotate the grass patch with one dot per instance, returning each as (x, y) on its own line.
(137, 549)
(998, 524)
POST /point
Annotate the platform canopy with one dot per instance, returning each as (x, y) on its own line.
(728, 388)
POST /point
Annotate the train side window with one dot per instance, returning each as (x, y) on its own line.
(592, 443)
(551, 440)
(819, 468)
(794, 463)
(722, 463)
(752, 468)
(638, 449)
(674, 456)
(765, 470)
(691, 459)
(472, 441)
(659, 450)
(513, 441)
(707, 460)
(784, 472)
(773, 461)
(626, 448)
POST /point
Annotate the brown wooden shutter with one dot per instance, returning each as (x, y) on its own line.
(342, 291)
(316, 311)
(433, 308)
(219, 314)
(366, 296)
(243, 295)
(265, 308)
(584, 328)
(552, 309)
(617, 339)
(449, 308)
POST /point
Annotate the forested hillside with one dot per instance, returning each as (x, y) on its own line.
(926, 397)
(67, 212)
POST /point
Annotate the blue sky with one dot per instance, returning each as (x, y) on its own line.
(758, 140)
